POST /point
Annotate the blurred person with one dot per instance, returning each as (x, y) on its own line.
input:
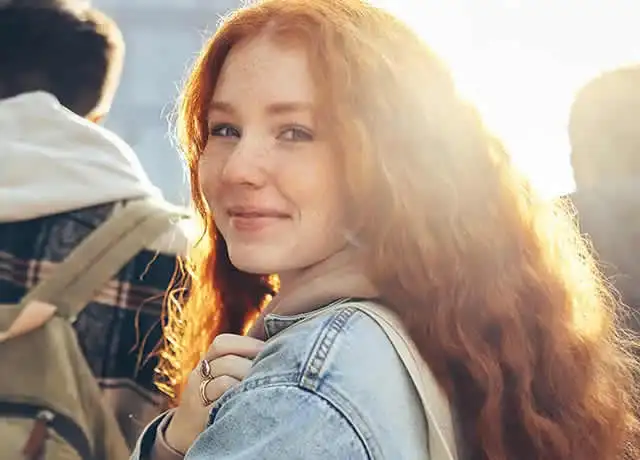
(333, 164)
(605, 155)
(63, 176)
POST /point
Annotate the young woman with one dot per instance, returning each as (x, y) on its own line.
(327, 145)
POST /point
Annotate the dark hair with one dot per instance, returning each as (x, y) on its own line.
(74, 54)
(603, 128)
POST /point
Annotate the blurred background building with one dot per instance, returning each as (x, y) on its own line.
(520, 61)
(163, 38)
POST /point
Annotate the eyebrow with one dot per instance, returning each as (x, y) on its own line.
(277, 108)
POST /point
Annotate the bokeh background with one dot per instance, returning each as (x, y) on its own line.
(521, 62)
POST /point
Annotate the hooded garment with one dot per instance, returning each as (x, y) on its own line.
(55, 161)
(61, 177)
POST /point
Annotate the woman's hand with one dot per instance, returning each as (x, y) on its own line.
(225, 364)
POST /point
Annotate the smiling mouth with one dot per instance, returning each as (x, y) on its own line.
(254, 220)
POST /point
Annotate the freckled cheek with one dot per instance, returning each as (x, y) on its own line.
(209, 178)
(332, 206)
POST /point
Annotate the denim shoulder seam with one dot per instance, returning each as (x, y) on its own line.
(317, 356)
(253, 383)
(284, 381)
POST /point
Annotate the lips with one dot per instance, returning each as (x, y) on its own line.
(255, 212)
(252, 219)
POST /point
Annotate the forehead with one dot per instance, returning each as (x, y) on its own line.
(263, 69)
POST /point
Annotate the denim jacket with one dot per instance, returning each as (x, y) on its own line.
(328, 387)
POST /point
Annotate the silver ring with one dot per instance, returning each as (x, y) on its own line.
(203, 392)
(205, 369)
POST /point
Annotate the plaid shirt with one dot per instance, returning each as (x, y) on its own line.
(120, 330)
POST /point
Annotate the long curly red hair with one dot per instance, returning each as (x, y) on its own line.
(493, 283)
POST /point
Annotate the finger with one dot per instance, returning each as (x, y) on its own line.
(232, 344)
(231, 365)
(219, 386)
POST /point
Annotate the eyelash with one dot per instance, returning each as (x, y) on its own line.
(299, 134)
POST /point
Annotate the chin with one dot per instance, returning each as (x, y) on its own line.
(254, 269)
(254, 263)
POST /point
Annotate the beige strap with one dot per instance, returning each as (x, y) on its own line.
(442, 444)
(442, 441)
(78, 278)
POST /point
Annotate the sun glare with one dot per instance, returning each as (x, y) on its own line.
(522, 62)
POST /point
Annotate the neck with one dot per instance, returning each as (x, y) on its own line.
(341, 261)
(303, 291)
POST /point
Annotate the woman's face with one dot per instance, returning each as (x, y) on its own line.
(268, 171)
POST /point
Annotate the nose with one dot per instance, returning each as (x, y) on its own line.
(245, 164)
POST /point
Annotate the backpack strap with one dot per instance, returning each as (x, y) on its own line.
(78, 278)
(442, 440)
(442, 444)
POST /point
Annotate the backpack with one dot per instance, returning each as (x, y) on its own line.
(51, 405)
